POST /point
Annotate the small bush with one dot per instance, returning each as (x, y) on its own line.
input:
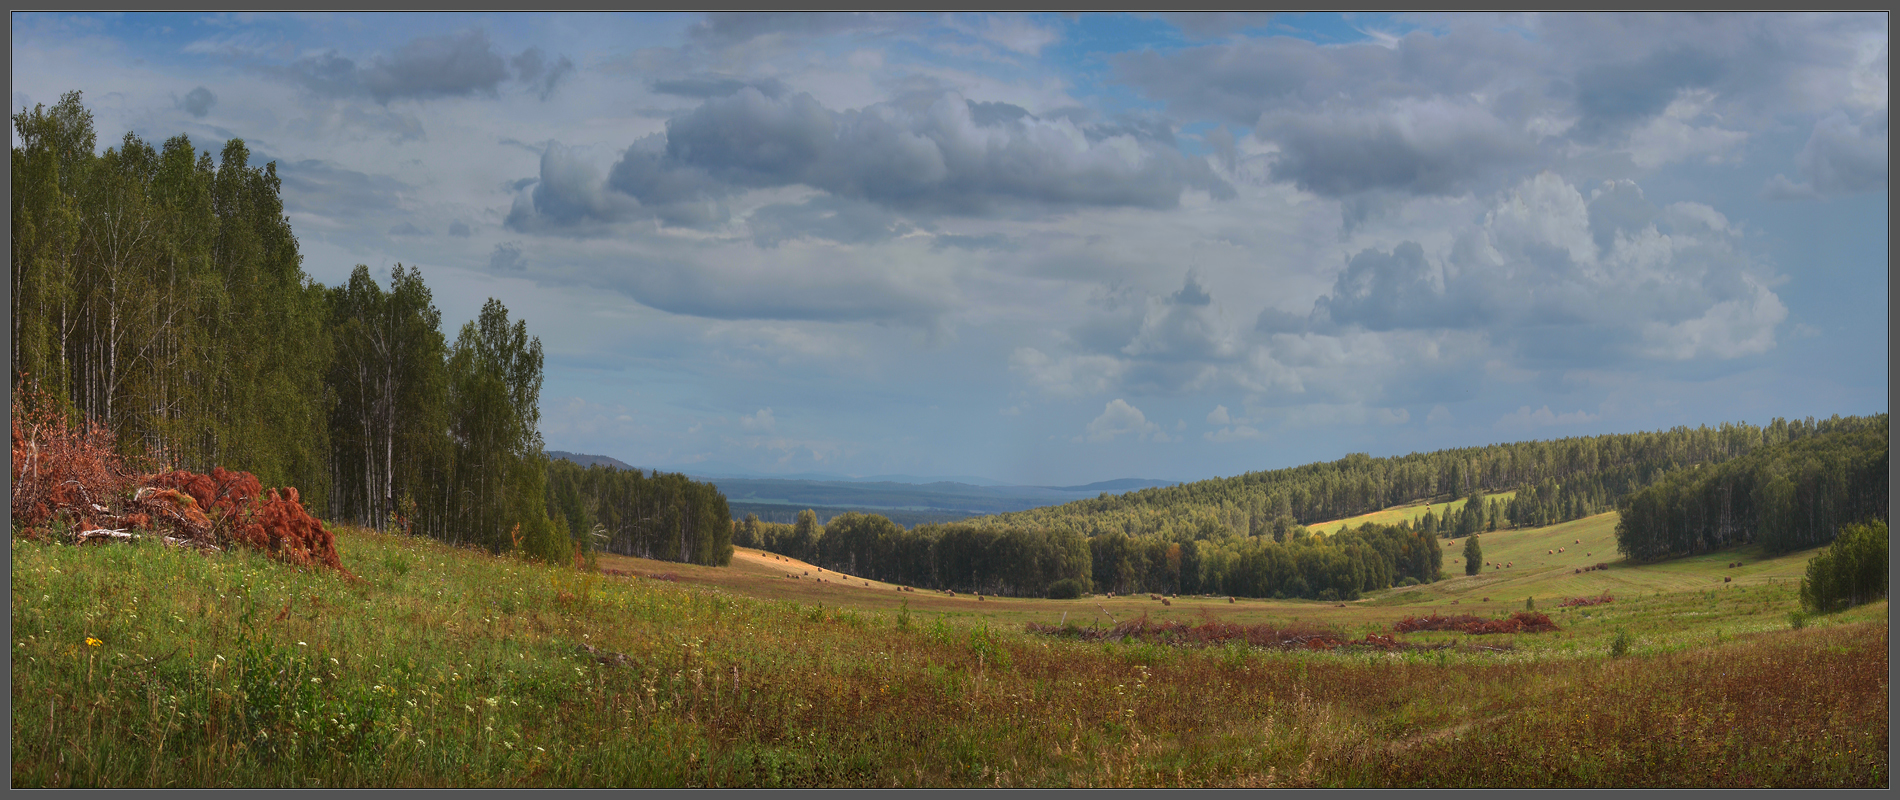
(1066, 589)
(1797, 619)
(1620, 645)
(1407, 581)
(1852, 571)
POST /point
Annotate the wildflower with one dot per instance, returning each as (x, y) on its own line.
(91, 642)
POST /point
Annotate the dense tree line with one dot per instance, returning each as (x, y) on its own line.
(667, 517)
(1788, 496)
(1556, 480)
(1013, 561)
(162, 294)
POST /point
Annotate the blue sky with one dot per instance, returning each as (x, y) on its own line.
(1056, 249)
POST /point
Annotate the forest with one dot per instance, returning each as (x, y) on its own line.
(1556, 480)
(1788, 496)
(161, 294)
(1027, 562)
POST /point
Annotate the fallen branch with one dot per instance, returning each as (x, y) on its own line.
(607, 657)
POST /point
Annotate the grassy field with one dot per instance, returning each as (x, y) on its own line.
(1397, 514)
(138, 665)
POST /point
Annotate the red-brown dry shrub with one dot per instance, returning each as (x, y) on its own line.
(1520, 622)
(1586, 601)
(278, 525)
(61, 471)
(73, 474)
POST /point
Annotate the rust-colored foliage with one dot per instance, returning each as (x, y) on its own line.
(73, 475)
(1520, 622)
(1586, 601)
(61, 471)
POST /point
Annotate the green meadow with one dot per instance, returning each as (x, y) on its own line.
(145, 666)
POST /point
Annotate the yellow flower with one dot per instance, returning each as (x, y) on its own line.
(91, 642)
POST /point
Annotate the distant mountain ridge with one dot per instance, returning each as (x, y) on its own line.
(586, 460)
(964, 495)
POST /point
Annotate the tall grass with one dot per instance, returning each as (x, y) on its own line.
(448, 667)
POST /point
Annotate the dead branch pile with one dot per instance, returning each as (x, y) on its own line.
(1520, 622)
(71, 477)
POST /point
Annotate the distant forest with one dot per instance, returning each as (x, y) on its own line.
(161, 294)
(1556, 480)
(1792, 483)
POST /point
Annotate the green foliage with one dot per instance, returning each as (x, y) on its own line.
(161, 293)
(1852, 571)
(1620, 645)
(1556, 481)
(1474, 556)
(1066, 589)
(668, 517)
(1787, 496)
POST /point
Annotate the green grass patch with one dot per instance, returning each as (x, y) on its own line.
(145, 666)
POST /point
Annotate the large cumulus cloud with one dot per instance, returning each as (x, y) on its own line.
(1559, 276)
(1473, 107)
(941, 155)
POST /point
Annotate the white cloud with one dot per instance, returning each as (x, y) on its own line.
(1675, 136)
(1440, 415)
(1119, 418)
(1391, 416)
(761, 421)
(1218, 416)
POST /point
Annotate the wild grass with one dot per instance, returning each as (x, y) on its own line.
(1413, 512)
(144, 666)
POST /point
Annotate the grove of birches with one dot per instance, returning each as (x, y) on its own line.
(160, 292)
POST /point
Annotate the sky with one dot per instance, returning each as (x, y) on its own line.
(1055, 249)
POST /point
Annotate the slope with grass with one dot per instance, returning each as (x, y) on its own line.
(138, 665)
(1412, 512)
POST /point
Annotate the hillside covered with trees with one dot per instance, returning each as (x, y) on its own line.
(161, 294)
(1556, 480)
(1787, 496)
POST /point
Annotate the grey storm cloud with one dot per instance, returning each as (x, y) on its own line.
(507, 258)
(1396, 289)
(408, 229)
(320, 188)
(1425, 149)
(930, 158)
(1614, 97)
(1839, 158)
(532, 67)
(428, 67)
(198, 102)
(437, 66)
(459, 229)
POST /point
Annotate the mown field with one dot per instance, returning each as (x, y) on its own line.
(1397, 514)
(138, 665)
